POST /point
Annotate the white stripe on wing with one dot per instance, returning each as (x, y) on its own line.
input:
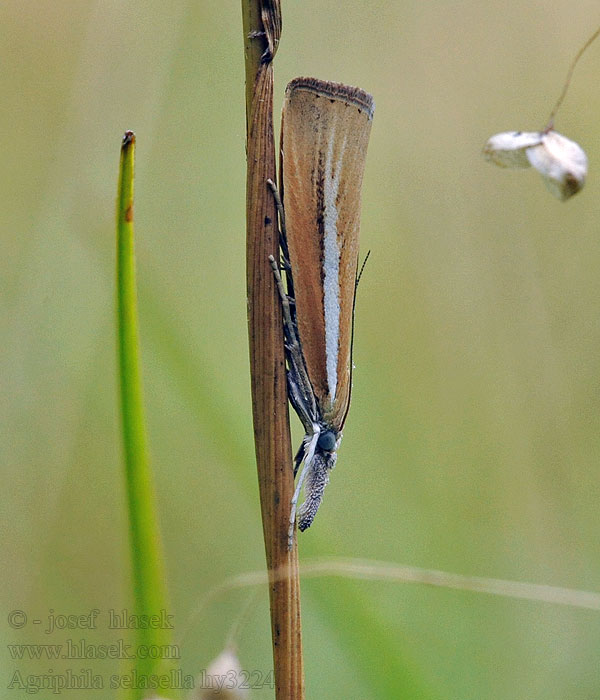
(331, 263)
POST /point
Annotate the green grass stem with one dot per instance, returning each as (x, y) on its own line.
(149, 587)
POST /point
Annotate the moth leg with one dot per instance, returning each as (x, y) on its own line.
(299, 457)
(295, 356)
(282, 229)
(302, 406)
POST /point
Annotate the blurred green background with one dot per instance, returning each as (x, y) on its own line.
(473, 441)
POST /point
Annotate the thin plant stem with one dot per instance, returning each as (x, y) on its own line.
(567, 82)
(262, 29)
(371, 570)
(149, 589)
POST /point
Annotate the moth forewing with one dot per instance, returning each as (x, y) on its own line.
(325, 131)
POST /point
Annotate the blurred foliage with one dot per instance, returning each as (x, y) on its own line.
(473, 440)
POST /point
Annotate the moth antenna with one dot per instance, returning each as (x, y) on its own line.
(567, 82)
(362, 267)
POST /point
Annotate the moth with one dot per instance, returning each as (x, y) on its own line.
(562, 163)
(324, 136)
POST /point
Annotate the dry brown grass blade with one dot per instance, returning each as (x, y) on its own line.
(262, 27)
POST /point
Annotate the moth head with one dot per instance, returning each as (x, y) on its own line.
(327, 441)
